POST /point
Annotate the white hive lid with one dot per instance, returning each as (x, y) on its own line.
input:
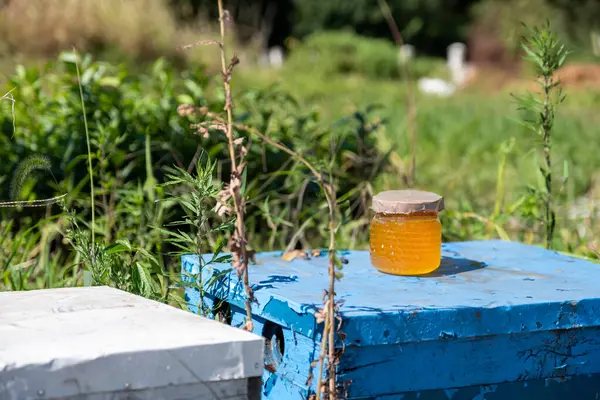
(65, 342)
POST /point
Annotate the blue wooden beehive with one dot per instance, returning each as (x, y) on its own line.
(498, 320)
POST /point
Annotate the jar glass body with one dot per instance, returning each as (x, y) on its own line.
(406, 244)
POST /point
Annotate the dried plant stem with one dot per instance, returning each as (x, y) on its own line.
(330, 197)
(200, 43)
(411, 98)
(331, 297)
(8, 96)
(217, 122)
(187, 109)
(324, 340)
(32, 203)
(317, 175)
(240, 240)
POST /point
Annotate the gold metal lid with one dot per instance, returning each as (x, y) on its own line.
(406, 202)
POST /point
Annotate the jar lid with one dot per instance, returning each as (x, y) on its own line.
(406, 201)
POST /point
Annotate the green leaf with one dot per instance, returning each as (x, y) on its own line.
(185, 99)
(218, 249)
(187, 204)
(112, 81)
(117, 248)
(501, 232)
(244, 181)
(151, 257)
(224, 227)
(532, 55)
(194, 88)
(69, 57)
(143, 280)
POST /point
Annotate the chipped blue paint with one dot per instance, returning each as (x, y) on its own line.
(483, 390)
(450, 393)
(494, 315)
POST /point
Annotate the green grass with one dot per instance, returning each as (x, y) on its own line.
(459, 137)
(458, 152)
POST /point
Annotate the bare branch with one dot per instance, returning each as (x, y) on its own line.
(200, 43)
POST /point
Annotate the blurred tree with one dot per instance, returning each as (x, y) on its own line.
(573, 20)
(504, 19)
(580, 18)
(266, 21)
(430, 25)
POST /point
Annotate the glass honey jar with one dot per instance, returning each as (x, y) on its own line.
(406, 233)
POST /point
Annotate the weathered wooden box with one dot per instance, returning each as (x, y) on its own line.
(104, 344)
(498, 320)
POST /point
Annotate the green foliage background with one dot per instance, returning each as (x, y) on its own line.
(340, 99)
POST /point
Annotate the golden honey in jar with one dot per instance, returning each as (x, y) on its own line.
(406, 233)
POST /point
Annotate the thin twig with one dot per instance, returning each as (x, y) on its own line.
(296, 236)
(300, 200)
(331, 297)
(188, 109)
(194, 159)
(177, 160)
(329, 192)
(324, 340)
(201, 43)
(240, 254)
(8, 96)
(32, 203)
(89, 150)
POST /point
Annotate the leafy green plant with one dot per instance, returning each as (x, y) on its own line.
(27, 260)
(197, 195)
(133, 132)
(544, 50)
(120, 264)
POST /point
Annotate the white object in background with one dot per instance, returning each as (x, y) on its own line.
(406, 53)
(436, 86)
(457, 53)
(276, 56)
(99, 343)
(595, 39)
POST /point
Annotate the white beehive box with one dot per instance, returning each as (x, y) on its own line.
(101, 343)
